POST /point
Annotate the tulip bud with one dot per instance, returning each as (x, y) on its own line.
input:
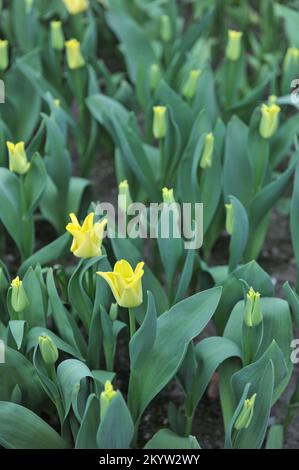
(269, 120)
(167, 195)
(207, 155)
(155, 76)
(253, 313)
(74, 57)
(165, 31)
(229, 224)
(48, 349)
(28, 6)
(189, 88)
(244, 419)
(124, 195)
(19, 299)
(159, 122)
(291, 58)
(233, 48)
(57, 37)
(106, 397)
(3, 54)
(17, 158)
(74, 7)
(56, 103)
(272, 100)
(113, 311)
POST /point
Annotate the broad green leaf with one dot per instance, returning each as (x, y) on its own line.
(166, 439)
(275, 437)
(30, 433)
(86, 437)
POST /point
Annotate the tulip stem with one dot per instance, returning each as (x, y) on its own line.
(132, 322)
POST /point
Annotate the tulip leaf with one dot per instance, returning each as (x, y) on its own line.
(35, 183)
(275, 437)
(10, 207)
(167, 439)
(34, 333)
(30, 433)
(239, 235)
(175, 329)
(86, 437)
(17, 329)
(116, 430)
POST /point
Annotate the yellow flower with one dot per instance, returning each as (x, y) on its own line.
(76, 6)
(125, 283)
(167, 195)
(245, 417)
(106, 397)
(3, 54)
(17, 158)
(269, 120)
(291, 57)
(233, 48)
(159, 123)
(88, 238)
(74, 58)
(253, 313)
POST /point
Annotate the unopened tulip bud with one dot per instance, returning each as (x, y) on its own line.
(155, 76)
(17, 158)
(233, 48)
(253, 313)
(74, 7)
(3, 54)
(272, 100)
(57, 37)
(166, 32)
(113, 311)
(19, 299)
(74, 57)
(28, 5)
(291, 58)
(167, 195)
(245, 417)
(269, 120)
(124, 195)
(56, 103)
(106, 397)
(189, 88)
(207, 155)
(159, 122)
(48, 349)
(229, 224)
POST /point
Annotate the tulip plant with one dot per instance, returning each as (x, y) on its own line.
(192, 104)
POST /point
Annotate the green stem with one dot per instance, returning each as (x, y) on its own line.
(261, 164)
(188, 426)
(57, 398)
(132, 322)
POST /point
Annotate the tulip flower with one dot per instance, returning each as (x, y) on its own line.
(233, 48)
(155, 76)
(3, 54)
(48, 349)
(57, 37)
(74, 7)
(106, 397)
(291, 57)
(74, 57)
(253, 314)
(17, 158)
(87, 240)
(189, 89)
(229, 223)
(124, 195)
(207, 155)
(125, 284)
(165, 30)
(244, 419)
(19, 299)
(159, 122)
(269, 120)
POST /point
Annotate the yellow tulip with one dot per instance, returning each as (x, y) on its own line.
(76, 6)
(233, 48)
(207, 155)
(125, 283)
(17, 158)
(106, 397)
(19, 299)
(189, 88)
(269, 120)
(74, 58)
(87, 240)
